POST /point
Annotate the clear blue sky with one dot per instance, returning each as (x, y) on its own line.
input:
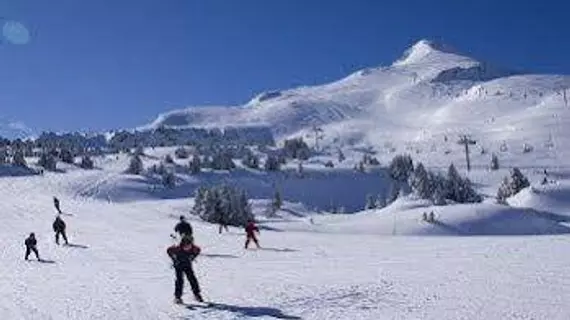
(104, 64)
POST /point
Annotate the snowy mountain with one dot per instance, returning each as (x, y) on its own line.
(14, 129)
(430, 91)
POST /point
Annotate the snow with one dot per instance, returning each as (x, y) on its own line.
(476, 261)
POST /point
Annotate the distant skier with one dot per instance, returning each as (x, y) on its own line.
(250, 230)
(182, 256)
(31, 244)
(56, 205)
(223, 224)
(59, 229)
(183, 227)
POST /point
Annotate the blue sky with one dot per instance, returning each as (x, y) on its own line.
(104, 64)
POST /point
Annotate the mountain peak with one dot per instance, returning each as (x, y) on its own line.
(422, 49)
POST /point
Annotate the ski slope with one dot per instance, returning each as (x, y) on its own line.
(478, 262)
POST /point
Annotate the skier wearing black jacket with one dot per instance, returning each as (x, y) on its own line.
(182, 256)
(183, 227)
(59, 229)
(31, 243)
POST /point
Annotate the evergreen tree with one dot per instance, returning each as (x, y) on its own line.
(169, 179)
(18, 158)
(48, 161)
(86, 162)
(393, 192)
(300, 170)
(182, 153)
(272, 163)
(518, 181)
(380, 201)
(136, 165)
(168, 159)
(66, 156)
(250, 160)
(277, 201)
(341, 156)
(195, 165)
(370, 202)
(421, 183)
(494, 162)
(401, 167)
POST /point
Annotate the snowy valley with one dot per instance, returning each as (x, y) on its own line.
(332, 176)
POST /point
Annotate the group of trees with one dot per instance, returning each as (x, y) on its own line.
(222, 204)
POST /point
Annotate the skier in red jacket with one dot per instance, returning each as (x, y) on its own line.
(250, 230)
(182, 256)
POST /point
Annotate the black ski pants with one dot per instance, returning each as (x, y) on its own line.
(179, 282)
(62, 233)
(29, 250)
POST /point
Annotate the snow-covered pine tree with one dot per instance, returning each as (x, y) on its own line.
(182, 153)
(48, 161)
(380, 201)
(438, 185)
(199, 199)
(329, 164)
(504, 190)
(460, 189)
(86, 162)
(421, 183)
(370, 202)
(18, 158)
(169, 179)
(195, 165)
(168, 159)
(300, 170)
(494, 162)
(518, 181)
(272, 163)
(250, 160)
(277, 201)
(341, 156)
(66, 156)
(136, 165)
(401, 167)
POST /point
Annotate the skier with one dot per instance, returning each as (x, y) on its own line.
(182, 256)
(250, 230)
(56, 204)
(59, 229)
(31, 243)
(223, 224)
(183, 227)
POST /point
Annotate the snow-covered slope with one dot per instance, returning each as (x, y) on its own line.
(431, 91)
(311, 266)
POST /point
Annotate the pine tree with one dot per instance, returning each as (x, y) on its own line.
(380, 201)
(272, 163)
(370, 202)
(48, 161)
(199, 199)
(494, 162)
(341, 156)
(168, 159)
(277, 201)
(401, 167)
(393, 192)
(18, 158)
(182, 153)
(518, 181)
(169, 179)
(136, 165)
(195, 165)
(66, 156)
(86, 162)
(250, 160)
(300, 170)
(421, 183)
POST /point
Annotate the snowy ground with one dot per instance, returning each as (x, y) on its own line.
(486, 262)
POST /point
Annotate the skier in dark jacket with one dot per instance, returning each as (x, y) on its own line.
(250, 230)
(59, 229)
(223, 224)
(31, 243)
(183, 227)
(56, 205)
(182, 256)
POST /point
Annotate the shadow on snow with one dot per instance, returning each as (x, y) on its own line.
(249, 312)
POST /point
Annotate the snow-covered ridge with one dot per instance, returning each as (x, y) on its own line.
(431, 91)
